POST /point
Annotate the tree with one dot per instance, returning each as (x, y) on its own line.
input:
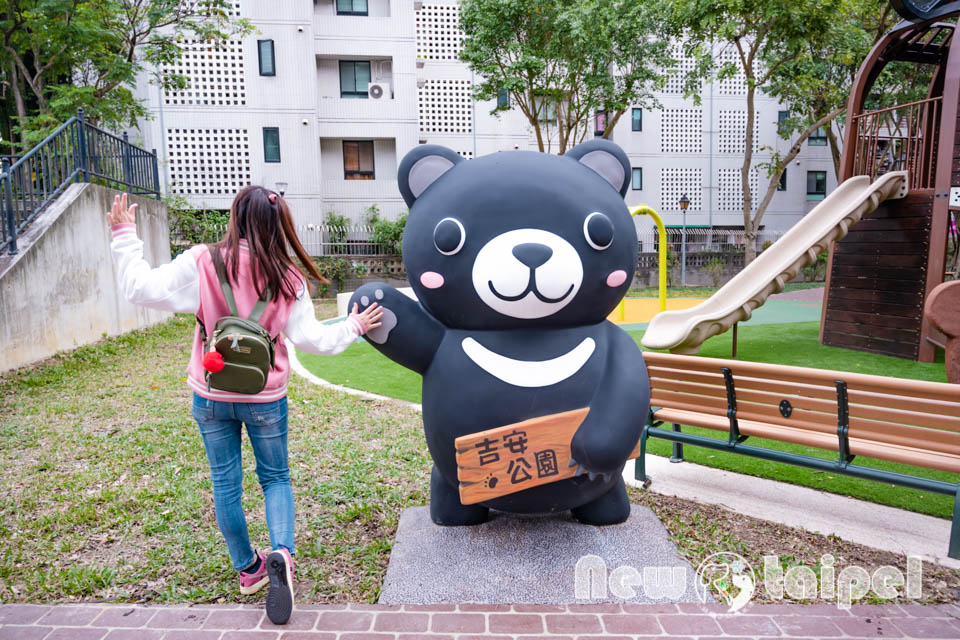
(59, 55)
(815, 85)
(560, 61)
(764, 36)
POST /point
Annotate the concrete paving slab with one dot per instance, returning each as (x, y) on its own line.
(866, 523)
(528, 559)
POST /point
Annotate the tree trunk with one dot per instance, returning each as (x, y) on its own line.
(533, 117)
(17, 94)
(611, 123)
(750, 250)
(794, 151)
(834, 151)
(749, 243)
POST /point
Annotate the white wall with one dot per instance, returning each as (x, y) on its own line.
(60, 291)
(287, 100)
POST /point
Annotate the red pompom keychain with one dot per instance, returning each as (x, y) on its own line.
(213, 361)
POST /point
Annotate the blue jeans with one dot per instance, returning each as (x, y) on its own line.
(220, 426)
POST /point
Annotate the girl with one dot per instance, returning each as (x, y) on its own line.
(256, 251)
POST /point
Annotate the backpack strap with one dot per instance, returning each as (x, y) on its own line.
(221, 268)
(222, 277)
(260, 306)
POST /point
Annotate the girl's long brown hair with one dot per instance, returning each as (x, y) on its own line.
(262, 217)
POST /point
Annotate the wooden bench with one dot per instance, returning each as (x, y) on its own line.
(911, 422)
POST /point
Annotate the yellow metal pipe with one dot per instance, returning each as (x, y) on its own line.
(662, 231)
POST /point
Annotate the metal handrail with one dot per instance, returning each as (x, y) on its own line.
(76, 151)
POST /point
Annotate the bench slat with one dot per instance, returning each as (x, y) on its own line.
(937, 440)
(826, 390)
(799, 419)
(919, 457)
(888, 406)
(750, 428)
(920, 389)
(888, 423)
(905, 455)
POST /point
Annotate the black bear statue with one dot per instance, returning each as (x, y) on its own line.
(516, 259)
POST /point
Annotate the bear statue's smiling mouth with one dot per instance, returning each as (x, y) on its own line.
(529, 373)
(531, 288)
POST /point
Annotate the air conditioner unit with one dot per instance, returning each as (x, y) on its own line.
(379, 91)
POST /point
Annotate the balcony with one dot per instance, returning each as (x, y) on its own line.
(378, 21)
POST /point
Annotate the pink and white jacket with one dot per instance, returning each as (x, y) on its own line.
(189, 284)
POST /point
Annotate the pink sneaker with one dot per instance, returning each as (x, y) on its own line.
(280, 597)
(253, 582)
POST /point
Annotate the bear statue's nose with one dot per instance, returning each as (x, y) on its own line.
(532, 254)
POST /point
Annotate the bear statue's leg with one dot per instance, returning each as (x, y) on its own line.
(613, 507)
(446, 508)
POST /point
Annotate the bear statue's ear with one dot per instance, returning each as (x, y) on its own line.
(605, 158)
(421, 167)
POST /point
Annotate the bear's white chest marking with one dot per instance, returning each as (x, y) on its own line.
(529, 373)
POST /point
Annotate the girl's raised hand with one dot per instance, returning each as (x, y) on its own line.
(119, 213)
(370, 318)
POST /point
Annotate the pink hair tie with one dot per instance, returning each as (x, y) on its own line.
(273, 198)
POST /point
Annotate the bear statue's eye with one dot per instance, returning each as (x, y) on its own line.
(598, 230)
(449, 236)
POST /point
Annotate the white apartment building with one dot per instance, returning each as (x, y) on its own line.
(328, 95)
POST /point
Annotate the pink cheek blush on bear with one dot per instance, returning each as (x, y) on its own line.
(616, 278)
(433, 280)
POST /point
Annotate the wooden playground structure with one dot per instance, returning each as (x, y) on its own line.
(880, 275)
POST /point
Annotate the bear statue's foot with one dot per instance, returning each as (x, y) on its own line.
(613, 507)
(446, 508)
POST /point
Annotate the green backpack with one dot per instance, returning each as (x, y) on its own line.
(245, 346)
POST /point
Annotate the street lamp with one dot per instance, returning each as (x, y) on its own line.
(684, 203)
(281, 187)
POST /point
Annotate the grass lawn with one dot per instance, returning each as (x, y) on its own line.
(794, 344)
(106, 490)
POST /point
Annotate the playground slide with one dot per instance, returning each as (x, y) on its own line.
(683, 331)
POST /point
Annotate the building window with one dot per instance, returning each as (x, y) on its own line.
(637, 178)
(782, 185)
(782, 117)
(358, 160)
(818, 138)
(503, 99)
(546, 109)
(637, 120)
(354, 78)
(271, 144)
(351, 7)
(267, 61)
(816, 185)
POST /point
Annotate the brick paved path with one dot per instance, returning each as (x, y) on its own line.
(419, 622)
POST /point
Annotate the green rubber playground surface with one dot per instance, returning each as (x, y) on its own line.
(772, 312)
